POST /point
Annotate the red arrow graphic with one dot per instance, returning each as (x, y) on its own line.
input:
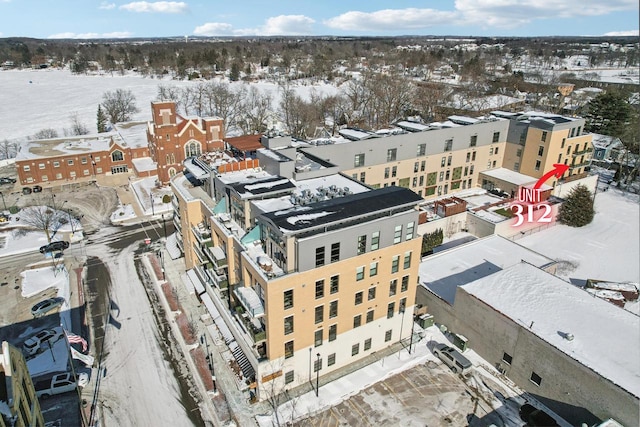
(558, 170)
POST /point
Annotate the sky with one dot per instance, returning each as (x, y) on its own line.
(81, 19)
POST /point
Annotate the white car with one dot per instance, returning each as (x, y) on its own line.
(33, 345)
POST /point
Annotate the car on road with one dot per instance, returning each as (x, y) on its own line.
(26, 190)
(33, 345)
(59, 245)
(452, 358)
(59, 383)
(45, 306)
(37, 189)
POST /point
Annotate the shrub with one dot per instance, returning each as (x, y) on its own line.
(577, 209)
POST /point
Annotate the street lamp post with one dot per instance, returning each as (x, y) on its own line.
(152, 209)
(401, 324)
(203, 340)
(161, 262)
(317, 374)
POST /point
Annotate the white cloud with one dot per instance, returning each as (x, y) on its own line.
(629, 33)
(485, 13)
(112, 35)
(156, 7)
(391, 19)
(214, 29)
(107, 6)
(283, 25)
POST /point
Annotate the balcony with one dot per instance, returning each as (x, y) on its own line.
(250, 301)
(201, 233)
(217, 256)
(579, 153)
(579, 165)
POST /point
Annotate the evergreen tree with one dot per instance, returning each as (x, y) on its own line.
(577, 209)
(101, 120)
(234, 74)
(431, 240)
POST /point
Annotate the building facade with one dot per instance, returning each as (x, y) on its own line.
(18, 402)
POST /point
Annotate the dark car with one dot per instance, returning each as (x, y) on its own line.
(45, 306)
(7, 180)
(37, 189)
(54, 246)
(26, 190)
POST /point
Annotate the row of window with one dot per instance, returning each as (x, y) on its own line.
(331, 359)
(392, 153)
(534, 378)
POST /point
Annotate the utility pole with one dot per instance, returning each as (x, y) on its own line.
(317, 374)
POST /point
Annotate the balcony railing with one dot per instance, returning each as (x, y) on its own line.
(202, 234)
(217, 256)
(578, 153)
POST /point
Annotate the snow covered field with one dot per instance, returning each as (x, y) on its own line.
(40, 99)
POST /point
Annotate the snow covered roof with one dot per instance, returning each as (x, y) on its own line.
(443, 272)
(134, 134)
(508, 175)
(604, 141)
(143, 164)
(604, 336)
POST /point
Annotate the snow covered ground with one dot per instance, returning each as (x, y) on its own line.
(39, 99)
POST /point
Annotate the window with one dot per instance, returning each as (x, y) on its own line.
(70, 162)
(393, 287)
(473, 140)
(320, 256)
(449, 161)
(58, 176)
(371, 294)
(495, 151)
(391, 154)
(516, 167)
(288, 377)
(334, 284)
(360, 273)
(405, 284)
(394, 172)
(357, 321)
(367, 344)
(288, 325)
(423, 165)
(362, 176)
(390, 309)
(448, 144)
(441, 177)
(421, 181)
(45, 178)
(355, 349)
(56, 164)
(416, 166)
(544, 136)
(537, 165)
(331, 359)
(496, 137)
(563, 142)
(317, 338)
(466, 170)
(422, 149)
(395, 263)
(362, 244)
(319, 289)
(319, 314)
(333, 309)
(568, 150)
(358, 160)
(317, 364)
(40, 165)
(573, 132)
(506, 358)
(26, 168)
(473, 156)
(443, 161)
(407, 260)
(117, 156)
(335, 252)
(288, 349)
(559, 158)
(358, 298)
(373, 269)
(397, 234)
(468, 157)
(387, 335)
(375, 240)
(541, 150)
(83, 160)
(369, 316)
(85, 172)
(536, 379)
(386, 173)
(288, 299)
(333, 332)
(447, 175)
(409, 231)
(578, 131)
(403, 305)
(491, 151)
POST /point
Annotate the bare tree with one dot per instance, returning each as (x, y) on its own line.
(77, 127)
(220, 100)
(8, 149)
(42, 218)
(255, 109)
(47, 133)
(119, 105)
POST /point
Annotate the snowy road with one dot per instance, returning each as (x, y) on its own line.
(139, 386)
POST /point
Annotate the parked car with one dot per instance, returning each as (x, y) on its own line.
(452, 358)
(58, 384)
(26, 190)
(7, 180)
(37, 188)
(33, 345)
(45, 306)
(59, 245)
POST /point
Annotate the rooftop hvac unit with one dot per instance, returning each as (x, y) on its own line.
(333, 187)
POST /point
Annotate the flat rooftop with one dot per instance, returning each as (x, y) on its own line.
(604, 336)
(444, 271)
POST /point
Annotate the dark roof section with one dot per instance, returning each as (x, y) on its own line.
(259, 187)
(245, 143)
(341, 210)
